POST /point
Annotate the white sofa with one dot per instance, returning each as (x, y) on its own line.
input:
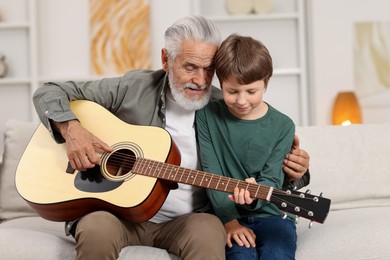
(348, 164)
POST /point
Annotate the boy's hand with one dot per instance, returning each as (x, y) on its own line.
(242, 196)
(242, 235)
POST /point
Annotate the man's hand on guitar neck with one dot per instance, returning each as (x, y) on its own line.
(296, 163)
(81, 145)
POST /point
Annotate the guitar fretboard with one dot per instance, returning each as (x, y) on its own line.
(179, 174)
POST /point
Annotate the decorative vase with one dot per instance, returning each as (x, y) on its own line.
(237, 7)
(262, 6)
(3, 66)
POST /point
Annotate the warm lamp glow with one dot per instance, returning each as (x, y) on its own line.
(346, 109)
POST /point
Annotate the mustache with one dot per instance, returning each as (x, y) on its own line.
(194, 86)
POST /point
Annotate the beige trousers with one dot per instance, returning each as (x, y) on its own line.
(101, 235)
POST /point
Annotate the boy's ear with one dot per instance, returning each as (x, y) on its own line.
(164, 59)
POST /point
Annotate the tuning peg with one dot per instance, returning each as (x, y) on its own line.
(310, 224)
(308, 191)
(284, 216)
(320, 195)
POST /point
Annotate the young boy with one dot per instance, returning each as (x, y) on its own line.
(243, 137)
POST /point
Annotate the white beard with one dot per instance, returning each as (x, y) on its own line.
(178, 94)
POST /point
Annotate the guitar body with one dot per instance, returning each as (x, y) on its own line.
(43, 181)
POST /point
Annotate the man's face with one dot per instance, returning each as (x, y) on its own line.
(191, 73)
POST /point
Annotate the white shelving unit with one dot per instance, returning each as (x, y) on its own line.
(283, 31)
(42, 42)
(18, 44)
(37, 38)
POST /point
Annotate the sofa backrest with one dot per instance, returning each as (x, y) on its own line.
(16, 136)
(349, 164)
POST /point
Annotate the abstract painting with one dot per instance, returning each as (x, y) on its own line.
(120, 36)
(372, 58)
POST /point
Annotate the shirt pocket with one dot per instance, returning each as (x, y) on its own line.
(255, 158)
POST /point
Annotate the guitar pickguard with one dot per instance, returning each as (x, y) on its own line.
(93, 181)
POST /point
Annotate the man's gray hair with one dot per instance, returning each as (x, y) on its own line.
(193, 28)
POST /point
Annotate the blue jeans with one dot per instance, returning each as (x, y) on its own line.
(276, 238)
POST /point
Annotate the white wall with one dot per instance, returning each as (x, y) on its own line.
(163, 14)
(65, 52)
(64, 34)
(331, 47)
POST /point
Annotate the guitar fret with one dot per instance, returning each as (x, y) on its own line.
(141, 165)
(201, 181)
(186, 181)
(157, 170)
(194, 178)
(227, 185)
(165, 170)
(172, 174)
(257, 191)
(175, 175)
(176, 170)
(148, 168)
(211, 178)
(219, 179)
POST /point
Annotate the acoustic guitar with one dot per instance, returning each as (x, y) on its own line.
(133, 180)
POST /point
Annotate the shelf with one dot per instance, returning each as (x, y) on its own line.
(285, 72)
(14, 25)
(283, 31)
(14, 81)
(254, 17)
(77, 78)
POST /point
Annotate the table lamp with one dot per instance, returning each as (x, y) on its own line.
(346, 109)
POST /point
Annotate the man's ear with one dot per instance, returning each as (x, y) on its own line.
(164, 59)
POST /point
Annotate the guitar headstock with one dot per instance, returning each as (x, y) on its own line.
(303, 204)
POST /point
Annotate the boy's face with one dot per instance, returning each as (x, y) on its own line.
(245, 101)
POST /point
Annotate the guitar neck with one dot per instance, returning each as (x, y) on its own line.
(202, 179)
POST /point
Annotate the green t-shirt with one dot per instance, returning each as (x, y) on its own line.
(241, 149)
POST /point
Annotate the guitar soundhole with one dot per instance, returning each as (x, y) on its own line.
(120, 162)
(117, 165)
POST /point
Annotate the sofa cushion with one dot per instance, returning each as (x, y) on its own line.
(17, 135)
(348, 163)
(361, 233)
(35, 238)
(18, 236)
(17, 244)
(145, 252)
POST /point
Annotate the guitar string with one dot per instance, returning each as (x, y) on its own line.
(276, 199)
(252, 188)
(123, 159)
(127, 161)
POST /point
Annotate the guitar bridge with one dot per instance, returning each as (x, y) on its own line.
(69, 169)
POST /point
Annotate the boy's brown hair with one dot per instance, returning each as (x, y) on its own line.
(244, 60)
